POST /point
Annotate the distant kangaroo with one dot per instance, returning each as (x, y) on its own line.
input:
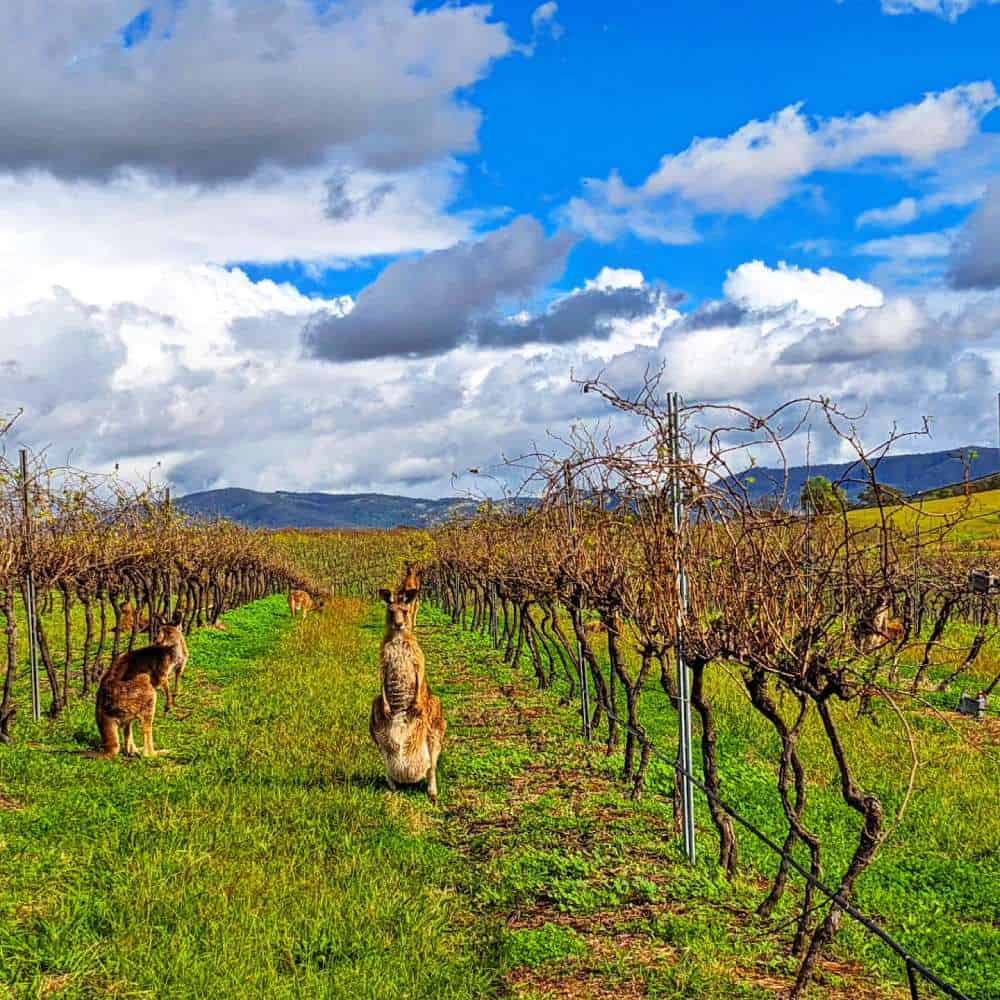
(301, 600)
(407, 722)
(126, 616)
(877, 629)
(175, 637)
(128, 619)
(128, 691)
(413, 574)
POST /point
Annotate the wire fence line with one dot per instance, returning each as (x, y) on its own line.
(913, 964)
(916, 970)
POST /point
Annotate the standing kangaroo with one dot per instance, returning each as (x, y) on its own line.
(407, 722)
(172, 635)
(127, 691)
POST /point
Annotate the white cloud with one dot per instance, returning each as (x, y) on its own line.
(616, 277)
(207, 377)
(912, 246)
(764, 162)
(969, 372)
(950, 10)
(900, 214)
(897, 326)
(820, 247)
(543, 18)
(109, 241)
(824, 294)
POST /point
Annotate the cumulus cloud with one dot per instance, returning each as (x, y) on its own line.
(894, 357)
(976, 260)
(98, 239)
(60, 353)
(216, 90)
(825, 293)
(427, 305)
(950, 10)
(111, 241)
(968, 372)
(764, 162)
(884, 331)
(908, 210)
(211, 360)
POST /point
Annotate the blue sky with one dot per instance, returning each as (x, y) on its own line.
(363, 244)
(620, 88)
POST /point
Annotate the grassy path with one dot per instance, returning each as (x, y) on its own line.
(263, 859)
(266, 858)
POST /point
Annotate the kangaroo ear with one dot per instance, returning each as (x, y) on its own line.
(409, 594)
(385, 595)
(176, 618)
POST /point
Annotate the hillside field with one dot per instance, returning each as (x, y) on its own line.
(977, 516)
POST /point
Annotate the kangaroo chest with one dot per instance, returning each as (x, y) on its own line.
(399, 675)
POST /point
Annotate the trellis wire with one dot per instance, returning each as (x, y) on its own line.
(913, 964)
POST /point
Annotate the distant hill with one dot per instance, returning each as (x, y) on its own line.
(318, 510)
(912, 474)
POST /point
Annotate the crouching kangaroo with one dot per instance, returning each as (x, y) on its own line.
(407, 723)
(302, 600)
(127, 691)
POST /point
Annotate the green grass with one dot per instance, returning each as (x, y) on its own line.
(263, 858)
(266, 857)
(574, 850)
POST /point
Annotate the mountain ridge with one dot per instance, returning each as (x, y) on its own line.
(912, 474)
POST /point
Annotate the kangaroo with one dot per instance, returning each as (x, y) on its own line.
(891, 629)
(407, 723)
(412, 580)
(128, 691)
(128, 619)
(877, 629)
(172, 634)
(301, 600)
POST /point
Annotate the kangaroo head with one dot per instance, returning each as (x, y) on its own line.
(397, 608)
(168, 635)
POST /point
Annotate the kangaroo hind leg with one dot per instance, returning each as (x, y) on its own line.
(108, 729)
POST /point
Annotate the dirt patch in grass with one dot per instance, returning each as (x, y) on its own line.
(576, 984)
